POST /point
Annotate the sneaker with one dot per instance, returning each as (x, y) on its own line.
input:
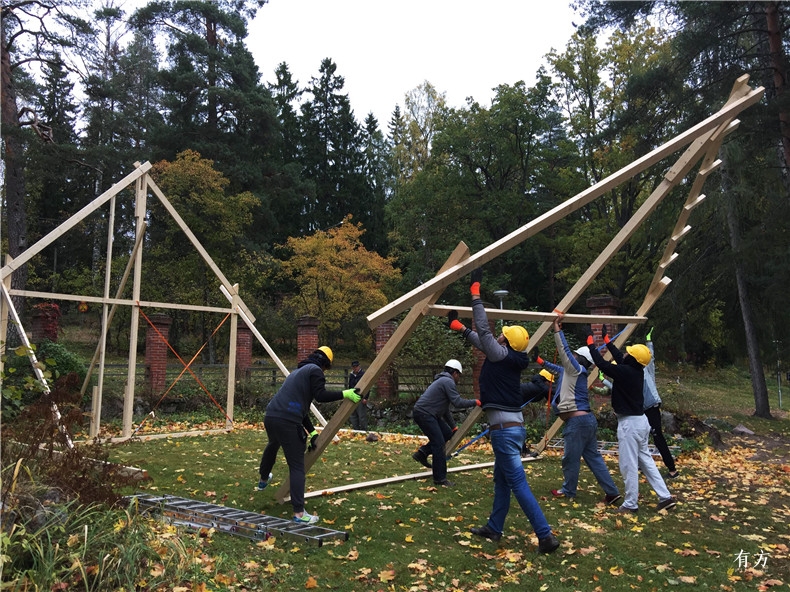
(610, 499)
(624, 510)
(306, 518)
(548, 544)
(486, 532)
(262, 484)
(666, 504)
(560, 493)
(673, 474)
(420, 457)
(444, 483)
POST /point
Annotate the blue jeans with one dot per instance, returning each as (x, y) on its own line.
(438, 433)
(509, 478)
(581, 441)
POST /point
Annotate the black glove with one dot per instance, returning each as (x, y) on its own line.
(313, 438)
(604, 334)
(477, 275)
(590, 339)
(535, 354)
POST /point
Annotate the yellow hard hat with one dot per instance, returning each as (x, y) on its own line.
(640, 352)
(517, 337)
(327, 352)
(547, 375)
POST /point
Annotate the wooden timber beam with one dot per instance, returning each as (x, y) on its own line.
(442, 280)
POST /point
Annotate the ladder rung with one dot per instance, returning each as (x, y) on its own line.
(196, 514)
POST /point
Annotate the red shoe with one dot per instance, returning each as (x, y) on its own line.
(558, 493)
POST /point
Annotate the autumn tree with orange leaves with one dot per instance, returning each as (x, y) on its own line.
(336, 280)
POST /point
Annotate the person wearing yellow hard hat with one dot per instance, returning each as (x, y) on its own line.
(652, 405)
(288, 424)
(571, 402)
(633, 429)
(500, 398)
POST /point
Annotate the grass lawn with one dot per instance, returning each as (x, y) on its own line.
(729, 531)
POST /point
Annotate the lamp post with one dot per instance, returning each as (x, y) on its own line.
(501, 295)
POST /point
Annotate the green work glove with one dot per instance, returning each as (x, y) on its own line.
(649, 336)
(313, 438)
(601, 376)
(352, 395)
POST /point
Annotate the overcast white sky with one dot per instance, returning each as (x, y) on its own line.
(385, 49)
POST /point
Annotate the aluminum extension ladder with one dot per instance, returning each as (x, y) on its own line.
(181, 511)
(611, 447)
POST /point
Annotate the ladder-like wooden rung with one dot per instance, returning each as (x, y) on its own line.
(196, 514)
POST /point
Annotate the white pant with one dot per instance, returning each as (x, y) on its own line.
(632, 434)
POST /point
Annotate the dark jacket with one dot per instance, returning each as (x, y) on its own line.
(628, 378)
(305, 384)
(500, 376)
(536, 390)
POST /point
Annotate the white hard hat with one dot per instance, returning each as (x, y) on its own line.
(455, 365)
(585, 353)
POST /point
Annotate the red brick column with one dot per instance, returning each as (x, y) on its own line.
(243, 350)
(156, 351)
(45, 322)
(306, 336)
(385, 386)
(603, 305)
(480, 357)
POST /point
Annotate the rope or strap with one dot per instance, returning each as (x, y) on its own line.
(187, 367)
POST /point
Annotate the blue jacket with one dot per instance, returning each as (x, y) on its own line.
(571, 385)
(650, 390)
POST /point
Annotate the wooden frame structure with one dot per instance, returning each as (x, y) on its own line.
(703, 141)
(143, 186)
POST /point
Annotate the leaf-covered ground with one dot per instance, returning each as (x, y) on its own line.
(729, 531)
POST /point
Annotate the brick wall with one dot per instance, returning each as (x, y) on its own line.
(156, 351)
(243, 350)
(306, 336)
(603, 305)
(385, 386)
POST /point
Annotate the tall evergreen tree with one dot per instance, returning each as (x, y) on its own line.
(32, 33)
(213, 100)
(332, 152)
(378, 174)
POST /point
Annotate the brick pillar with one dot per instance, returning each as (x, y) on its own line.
(156, 351)
(603, 304)
(385, 386)
(480, 357)
(243, 350)
(45, 322)
(306, 336)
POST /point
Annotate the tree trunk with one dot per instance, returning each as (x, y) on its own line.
(15, 191)
(778, 65)
(762, 406)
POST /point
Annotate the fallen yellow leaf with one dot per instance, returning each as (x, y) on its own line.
(387, 575)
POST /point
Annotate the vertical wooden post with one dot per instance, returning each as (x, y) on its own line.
(128, 399)
(234, 323)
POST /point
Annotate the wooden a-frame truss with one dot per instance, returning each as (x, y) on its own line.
(143, 185)
(703, 141)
